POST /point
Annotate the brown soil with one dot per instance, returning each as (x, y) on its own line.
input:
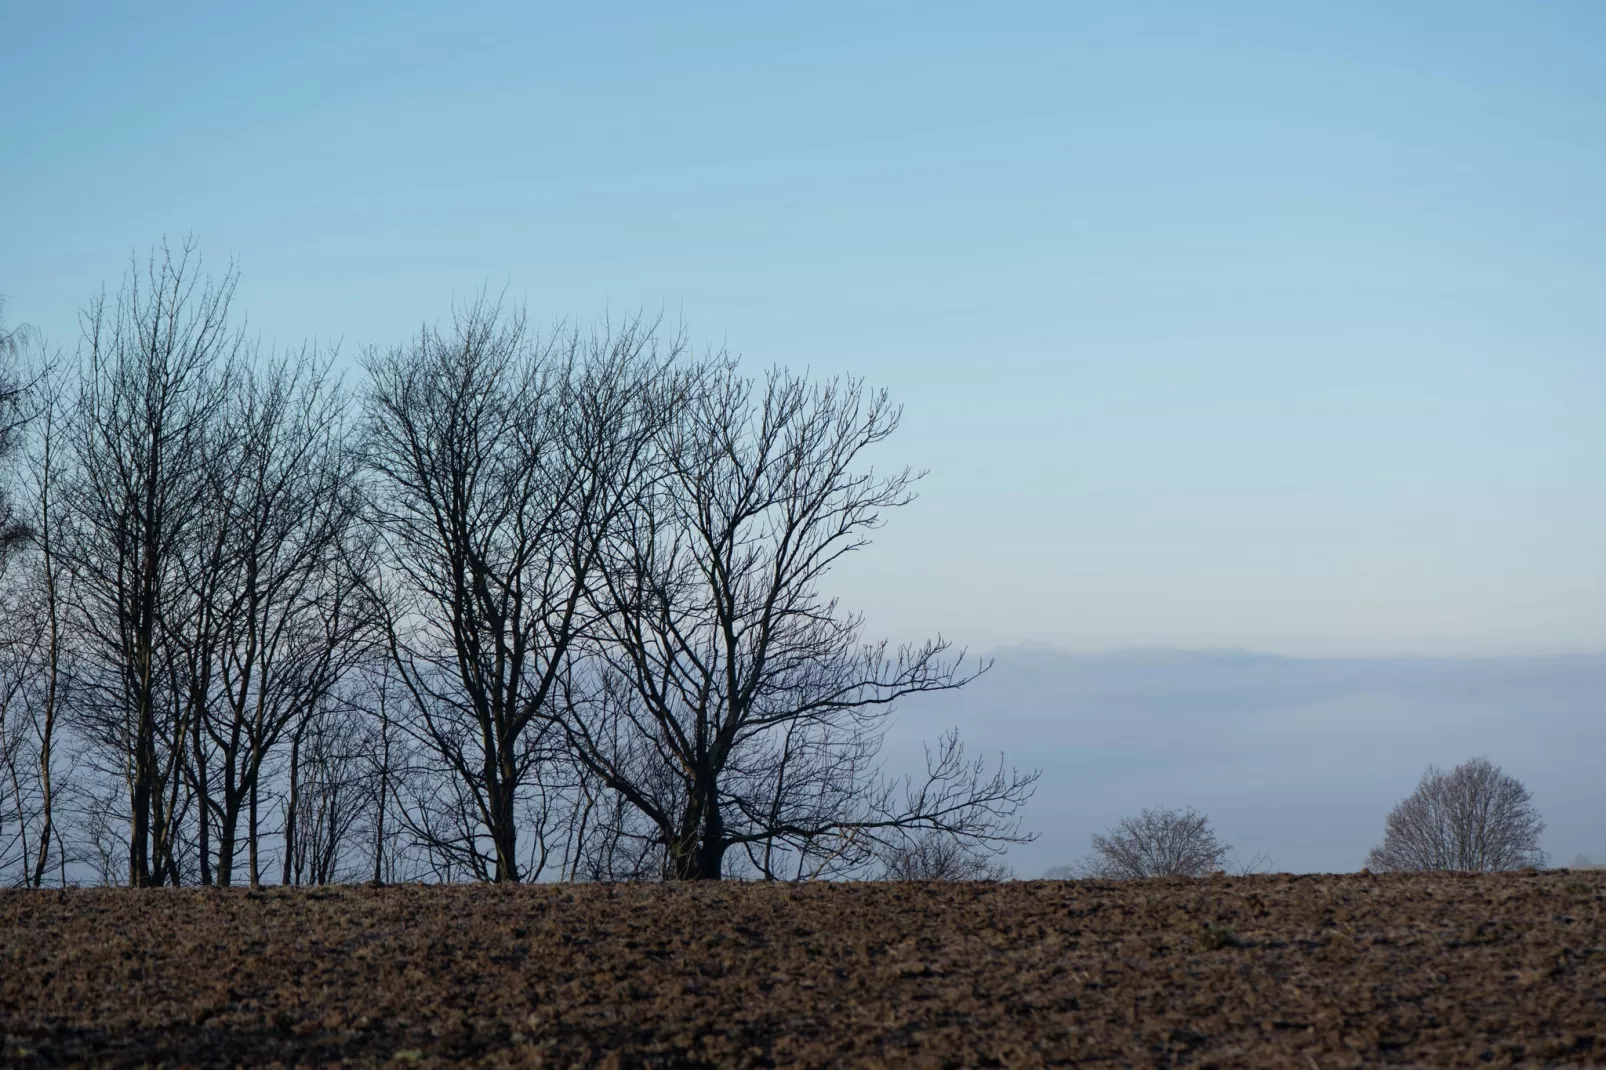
(1264, 971)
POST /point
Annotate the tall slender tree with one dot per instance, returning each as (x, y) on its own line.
(280, 614)
(160, 364)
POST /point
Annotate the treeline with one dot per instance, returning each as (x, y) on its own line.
(516, 604)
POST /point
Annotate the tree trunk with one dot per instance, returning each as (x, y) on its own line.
(384, 790)
(52, 670)
(291, 807)
(251, 838)
(139, 860)
(228, 830)
(503, 831)
(711, 848)
(203, 802)
(164, 827)
(44, 785)
(698, 854)
(139, 865)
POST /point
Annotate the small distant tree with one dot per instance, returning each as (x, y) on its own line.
(937, 857)
(1474, 817)
(1156, 843)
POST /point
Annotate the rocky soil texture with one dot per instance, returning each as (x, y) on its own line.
(1280, 971)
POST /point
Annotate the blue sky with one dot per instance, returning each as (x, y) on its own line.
(1276, 325)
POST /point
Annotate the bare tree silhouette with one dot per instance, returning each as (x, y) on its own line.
(553, 599)
(160, 366)
(726, 700)
(938, 857)
(501, 463)
(1474, 817)
(1156, 843)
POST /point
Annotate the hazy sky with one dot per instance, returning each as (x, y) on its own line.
(1296, 760)
(1272, 325)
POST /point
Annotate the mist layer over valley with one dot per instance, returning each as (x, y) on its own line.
(1298, 759)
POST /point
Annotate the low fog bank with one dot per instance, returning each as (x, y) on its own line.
(1298, 759)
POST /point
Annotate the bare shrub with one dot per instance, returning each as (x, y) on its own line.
(937, 857)
(1156, 843)
(1259, 862)
(1474, 817)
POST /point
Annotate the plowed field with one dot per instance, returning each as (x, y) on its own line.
(1262, 971)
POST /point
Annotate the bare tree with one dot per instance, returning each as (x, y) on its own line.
(1259, 862)
(159, 367)
(610, 840)
(21, 795)
(937, 857)
(500, 462)
(386, 761)
(35, 649)
(558, 605)
(28, 636)
(1156, 843)
(726, 701)
(328, 798)
(52, 685)
(1474, 818)
(280, 611)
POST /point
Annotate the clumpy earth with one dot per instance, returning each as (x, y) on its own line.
(1274, 971)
